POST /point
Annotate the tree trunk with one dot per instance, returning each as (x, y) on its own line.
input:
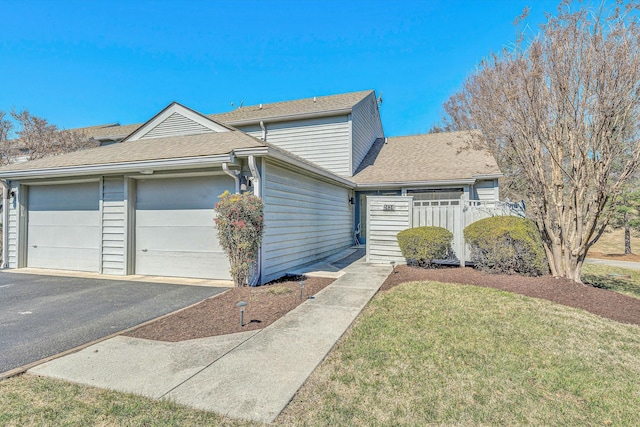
(627, 237)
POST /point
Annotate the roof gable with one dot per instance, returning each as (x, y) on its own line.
(176, 120)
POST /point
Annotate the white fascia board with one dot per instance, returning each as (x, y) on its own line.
(130, 167)
(273, 119)
(410, 184)
(282, 157)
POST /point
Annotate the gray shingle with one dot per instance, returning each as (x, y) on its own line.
(208, 144)
(428, 157)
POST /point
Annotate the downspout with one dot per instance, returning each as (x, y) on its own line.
(264, 130)
(5, 223)
(233, 174)
(255, 176)
(256, 192)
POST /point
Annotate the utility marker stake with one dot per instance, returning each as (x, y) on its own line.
(241, 305)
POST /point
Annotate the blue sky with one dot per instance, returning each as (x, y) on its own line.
(82, 63)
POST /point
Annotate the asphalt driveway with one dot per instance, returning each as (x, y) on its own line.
(44, 315)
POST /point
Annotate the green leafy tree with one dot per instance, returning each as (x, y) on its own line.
(240, 223)
(626, 216)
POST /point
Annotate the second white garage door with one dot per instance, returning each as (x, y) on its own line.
(175, 230)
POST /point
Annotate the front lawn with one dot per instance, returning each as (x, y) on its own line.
(432, 353)
(33, 401)
(421, 353)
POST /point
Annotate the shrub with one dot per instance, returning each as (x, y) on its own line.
(239, 221)
(507, 244)
(422, 245)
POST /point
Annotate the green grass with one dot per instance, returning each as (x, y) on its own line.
(608, 277)
(439, 354)
(279, 290)
(33, 401)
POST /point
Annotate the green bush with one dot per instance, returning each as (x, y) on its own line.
(507, 244)
(239, 220)
(421, 245)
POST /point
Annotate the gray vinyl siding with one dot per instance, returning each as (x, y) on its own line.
(253, 130)
(305, 220)
(366, 128)
(113, 226)
(486, 190)
(174, 125)
(323, 141)
(12, 228)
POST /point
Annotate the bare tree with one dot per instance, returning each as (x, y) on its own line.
(6, 127)
(37, 138)
(562, 111)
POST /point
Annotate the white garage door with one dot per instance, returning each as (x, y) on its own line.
(63, 227)
(175, 230)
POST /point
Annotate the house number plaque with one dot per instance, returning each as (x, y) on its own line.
(388, 208)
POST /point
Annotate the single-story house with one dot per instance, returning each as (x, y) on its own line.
(142, 202)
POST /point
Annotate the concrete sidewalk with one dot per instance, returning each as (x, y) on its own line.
(250, 375)
(623, 264)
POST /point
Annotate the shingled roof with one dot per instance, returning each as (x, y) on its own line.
(206, 144)
(298, 107)
(425, 158)
(254, 113)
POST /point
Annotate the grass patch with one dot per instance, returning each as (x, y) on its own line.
(432, 353)
(34, 401)
(612, 278)
(278, 290)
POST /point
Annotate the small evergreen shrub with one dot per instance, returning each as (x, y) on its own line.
(240, 223)
(507, 244)
(421, 245)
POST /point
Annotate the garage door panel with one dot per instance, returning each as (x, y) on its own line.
(178, 239)
(196, 193)
(184, 217)
(68, 218)
(64, 197)
(63, 226)
(191, 264)
(63, 237)
(77, 259)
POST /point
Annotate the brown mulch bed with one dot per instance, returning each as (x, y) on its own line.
(609, 304)
(219, 315)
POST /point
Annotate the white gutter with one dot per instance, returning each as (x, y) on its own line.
(468, 181)
(256, 191)
(164, 164)
(233, 174)
(5, 223)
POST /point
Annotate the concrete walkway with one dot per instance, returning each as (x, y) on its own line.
(250, 375)
(623, 264)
